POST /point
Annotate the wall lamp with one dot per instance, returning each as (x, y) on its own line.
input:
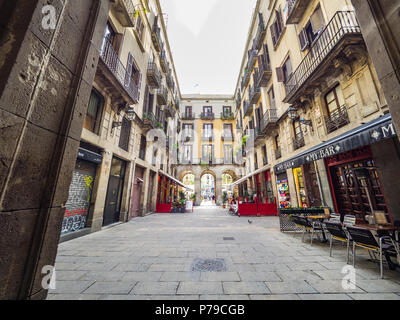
(292, 114)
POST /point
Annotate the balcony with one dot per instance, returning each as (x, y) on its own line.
(270, 118)
(254, 94)
(227, 116)
(170, 80)
(238, 101)
(113, 74)
(162, 95)
(341, 32)
(263, 73)
(245, 79)
(153, 75)
(227, 136)
(296, 9)
(124, 11)
(337, 119)
(206, 136)
(278, 153)
(149, 120)
(170, 111)
(163, 61)
(252, 59)
(259, 133)
(188, 116)
(207, 116)
(156, 36)
(247, 109)
(298, 142)
(261, 32)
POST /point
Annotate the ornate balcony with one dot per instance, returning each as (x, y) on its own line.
(296, 9)
(206, 136)
(170, 80)
(113, 74)
(170, 111)
(163, 61)
(188, 116)
(263, 73)
(298, 142)
(270, 118)
(149, 120)
(252, 59)
(207, 116)
(155, 35)
(337, 119)
(245, 79)
(162, 95)
(329, 52)
(124, 11)
(227, 116)
(247, 109)
(238, 101)
(254, 94)
(227, 136)
(261, 32)
(259, 134)
(153, 75)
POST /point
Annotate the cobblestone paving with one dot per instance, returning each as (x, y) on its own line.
(152, 258)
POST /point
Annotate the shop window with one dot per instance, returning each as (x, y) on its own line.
(94, 112)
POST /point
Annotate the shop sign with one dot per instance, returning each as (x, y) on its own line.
(89, 156)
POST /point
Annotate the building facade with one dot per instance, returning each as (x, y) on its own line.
(309, 92)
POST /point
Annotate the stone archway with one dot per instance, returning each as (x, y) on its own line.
(208, 187)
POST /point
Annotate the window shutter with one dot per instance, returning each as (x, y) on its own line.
(280, 74)
(139, 89)
(128, 74)
(117, 42)
(273, 33)
(146, 99)
(279, 20)
(303, 39)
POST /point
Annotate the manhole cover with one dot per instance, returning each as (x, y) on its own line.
(229, 238)
(209, 265)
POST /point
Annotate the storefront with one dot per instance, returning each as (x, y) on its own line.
(80, 191)
(282, 183)
(112, 207)
(345, 156)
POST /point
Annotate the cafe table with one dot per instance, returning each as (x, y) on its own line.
(320, 218)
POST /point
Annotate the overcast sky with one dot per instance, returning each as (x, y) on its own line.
(207, 39)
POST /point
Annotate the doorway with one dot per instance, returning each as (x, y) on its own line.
(112, 206)
(208, 189)
(137, 187)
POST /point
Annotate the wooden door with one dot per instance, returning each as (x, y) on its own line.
(137, 192)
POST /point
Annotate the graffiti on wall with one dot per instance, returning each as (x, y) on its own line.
(78, 203)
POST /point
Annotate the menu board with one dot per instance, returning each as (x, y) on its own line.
(283, 193)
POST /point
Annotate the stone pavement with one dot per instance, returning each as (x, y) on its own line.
(152, 258)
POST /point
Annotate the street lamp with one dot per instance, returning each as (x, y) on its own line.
(292, 114)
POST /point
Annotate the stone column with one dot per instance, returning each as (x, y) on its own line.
(45, 84)
(218, 191)
(197, 190)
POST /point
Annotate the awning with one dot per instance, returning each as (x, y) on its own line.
(230, 186)
(366, 134)
(176, 180)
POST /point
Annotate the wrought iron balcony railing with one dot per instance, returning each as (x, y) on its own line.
(162, 95)
(169, 79)
(207, 136)
(254, 94)
(337, 119)
(269, 119)
(163, 60)
(342, 24)
(153, 75)
(296, 9)
(149, 119)
(263, 73)
(298, 142)
(227, 116)
(227, 136)
(207, 116)
(110, 58)
(124, 11)
(245, 79)
(261, 32)
(252, 59)
(188, 116)
(247, 109)
(155, 35)
(170, 111)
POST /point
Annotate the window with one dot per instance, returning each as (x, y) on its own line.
(312, 29)
(271, 98)
(228, 154)
(297, 129)
(187, 130)
(142, 148)
(334, 100)
(187, 154)
(255, 161)
(125, 134)
(227, 111)
(227, 131)
(133, 75)
(276, 28)
(188, 112)
(277, 142)
(284, 73)
(139, 27)
(207, 130)
(94, 112)
(207, 152)
(264, 153)
(207, 110)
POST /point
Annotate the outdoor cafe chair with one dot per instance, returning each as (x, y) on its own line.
(365, 239)
(307, 226)
(338, 233)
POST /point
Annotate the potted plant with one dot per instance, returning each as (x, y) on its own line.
(224, 199)
(174, 206)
